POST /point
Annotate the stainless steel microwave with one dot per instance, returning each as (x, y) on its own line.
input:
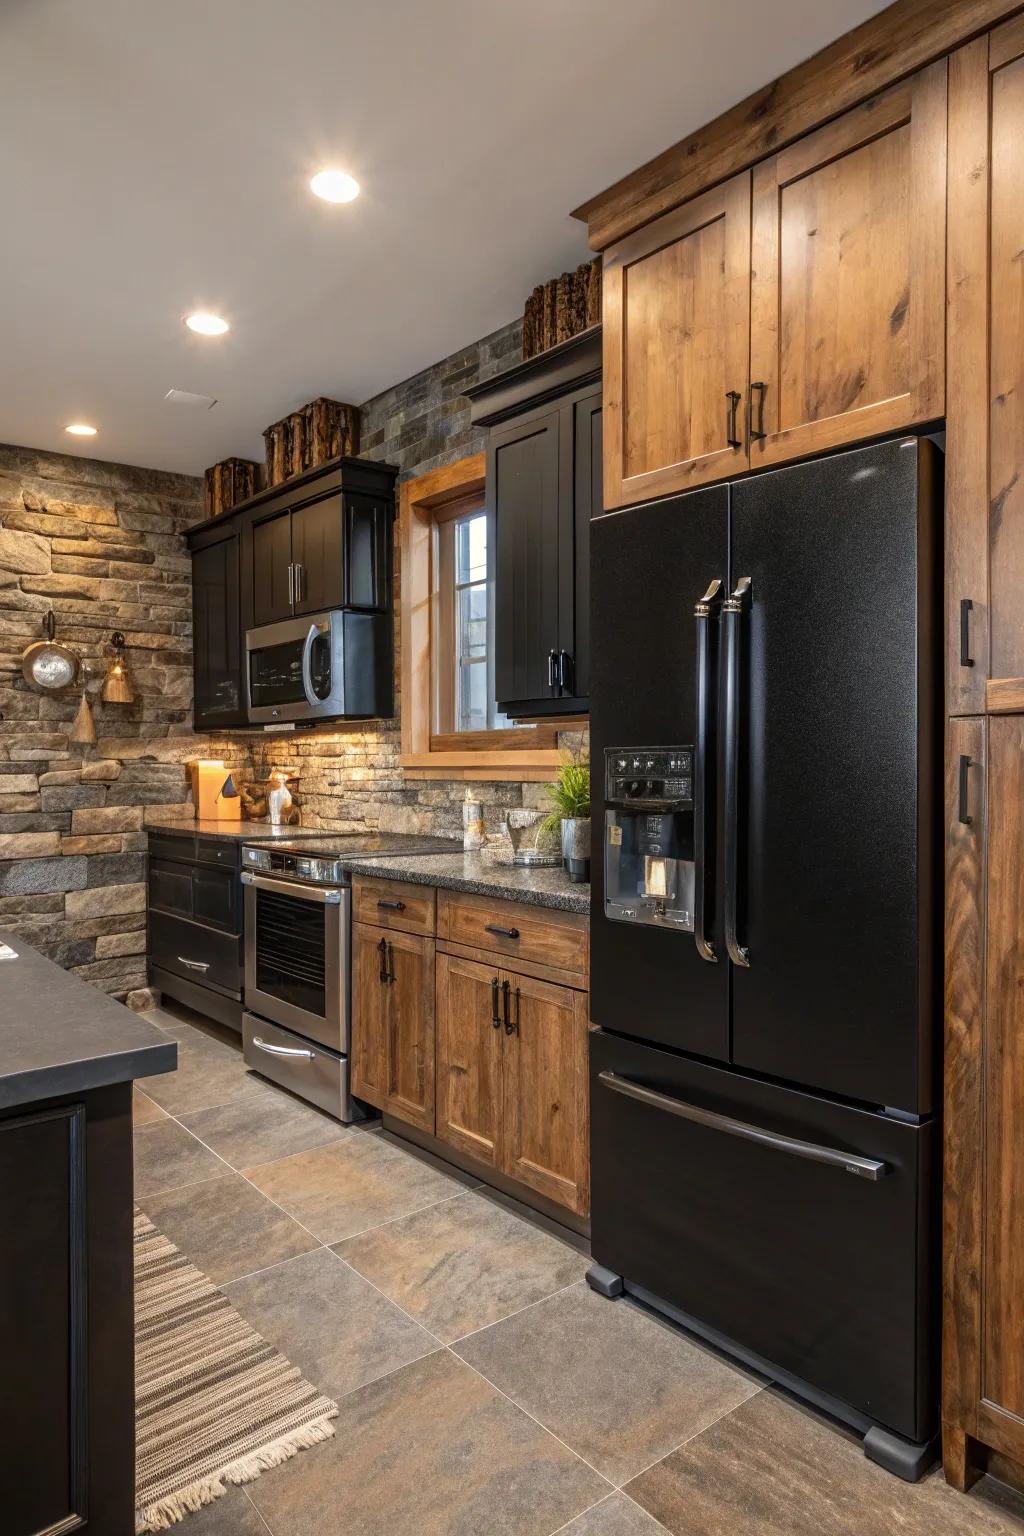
(335, 665)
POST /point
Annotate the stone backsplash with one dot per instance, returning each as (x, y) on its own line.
(100, 544)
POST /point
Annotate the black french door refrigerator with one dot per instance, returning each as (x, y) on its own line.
(766, 759)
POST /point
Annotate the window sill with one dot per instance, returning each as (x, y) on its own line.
(525, 766)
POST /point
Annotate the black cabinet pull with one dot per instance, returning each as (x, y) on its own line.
(966, 609)
(505, 993)
(512, 1025)
(758, 433)
(392, 906)
(963, 815)
(391, 963)
(382, 950)
(565, 671)
(505, 933)
(495, 1020)
(733, 397)
(552, 669)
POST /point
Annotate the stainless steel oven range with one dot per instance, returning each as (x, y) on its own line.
(298, 935)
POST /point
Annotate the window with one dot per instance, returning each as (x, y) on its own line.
(451, 727)
(462, 652)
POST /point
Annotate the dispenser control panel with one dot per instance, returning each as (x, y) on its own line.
(649, 773)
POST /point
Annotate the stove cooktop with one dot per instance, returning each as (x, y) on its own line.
(319, 858)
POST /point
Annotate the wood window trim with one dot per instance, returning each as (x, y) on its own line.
(517, 755)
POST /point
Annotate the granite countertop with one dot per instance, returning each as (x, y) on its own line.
(483, 874)
(232, 831)
(60, 1035)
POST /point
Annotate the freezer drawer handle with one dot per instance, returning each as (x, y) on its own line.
(733, 609)
(861, 1167)
(704, 611)
(282, 1050)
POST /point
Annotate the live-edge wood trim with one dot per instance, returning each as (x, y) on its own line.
(882, 50)
(516, 755)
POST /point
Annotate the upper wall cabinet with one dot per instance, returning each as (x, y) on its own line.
(676, 348)
(793, 309)
(329, 551)
(848, 276)
(218, 698)
(543, 487)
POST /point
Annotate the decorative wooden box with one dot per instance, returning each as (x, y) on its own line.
(228, 483)
(323, 429)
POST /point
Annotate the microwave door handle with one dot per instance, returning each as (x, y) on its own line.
(307, 665)
(705, 612)
(733, 610)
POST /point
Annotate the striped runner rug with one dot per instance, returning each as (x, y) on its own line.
(215, 1404)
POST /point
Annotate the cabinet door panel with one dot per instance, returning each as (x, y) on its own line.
(1002, 1359)
(369, 1015)
(546, 1123)
(217, 636)
(523, 480)
(367, 531)
(847, 306)
(271, 559)
(317, 552)
(410, 1000)
(215, 898)
(469, 1106)
(676, 343)
(170, 887)
(1006, 421)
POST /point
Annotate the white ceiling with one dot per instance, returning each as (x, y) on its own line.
(155, 154)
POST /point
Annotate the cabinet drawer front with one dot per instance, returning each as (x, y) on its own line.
(170, 887)
(393, 904)
(172, 845)
(217, 898)
(199, 953)
(544, 937)
(214, 850)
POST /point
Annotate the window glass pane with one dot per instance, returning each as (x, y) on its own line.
(472, 695)
(471, 622)
(471, 548)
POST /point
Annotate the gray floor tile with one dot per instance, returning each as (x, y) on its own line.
(209, 1073)
(778, 1470)
(167, 1156)
(619, 1387)
(226, 1227)
(431, 1450)
(352, 1184)
(338, 1330)
(615, 1516)
(145, 1111)
(459, 1266)
(262, 1127)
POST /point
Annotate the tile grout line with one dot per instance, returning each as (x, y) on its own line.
(589, 1510)
(688, 1440)
(517, 1313)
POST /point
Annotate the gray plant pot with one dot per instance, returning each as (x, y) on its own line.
(576, 847)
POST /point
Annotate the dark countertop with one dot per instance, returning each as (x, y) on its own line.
(232, 831)
(482, 874)
(60, 1035)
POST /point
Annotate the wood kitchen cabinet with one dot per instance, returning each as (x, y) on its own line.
(469, 1051)
(790, 310)
(393, 1022)
(544, 484)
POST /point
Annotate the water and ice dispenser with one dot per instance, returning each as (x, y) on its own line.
(648, 836)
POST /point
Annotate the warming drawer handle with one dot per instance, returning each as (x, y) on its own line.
(861, 1167)
(733, 610)
(194, 965)
(704, 611)
(282, 1050)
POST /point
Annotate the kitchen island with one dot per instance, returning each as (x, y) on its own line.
(68, 1057)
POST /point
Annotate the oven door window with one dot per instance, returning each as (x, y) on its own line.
(291, 950)
(275, 674)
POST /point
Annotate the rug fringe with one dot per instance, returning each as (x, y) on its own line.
(168, 1512)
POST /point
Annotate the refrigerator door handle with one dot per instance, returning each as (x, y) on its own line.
(733, 609)
(848, 1162)
(704, 612)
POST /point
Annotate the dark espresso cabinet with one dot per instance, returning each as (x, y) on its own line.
(194, 922)
(543, 487)
(320, 541)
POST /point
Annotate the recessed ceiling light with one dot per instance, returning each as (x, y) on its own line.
(335, 186)
(206, 324)
(80, 429)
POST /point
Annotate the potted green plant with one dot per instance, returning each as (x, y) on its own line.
(569, 797)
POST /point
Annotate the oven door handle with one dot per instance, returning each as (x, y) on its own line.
(282, 1050)
(324, 895)
(307, 664)
(834, 1157)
